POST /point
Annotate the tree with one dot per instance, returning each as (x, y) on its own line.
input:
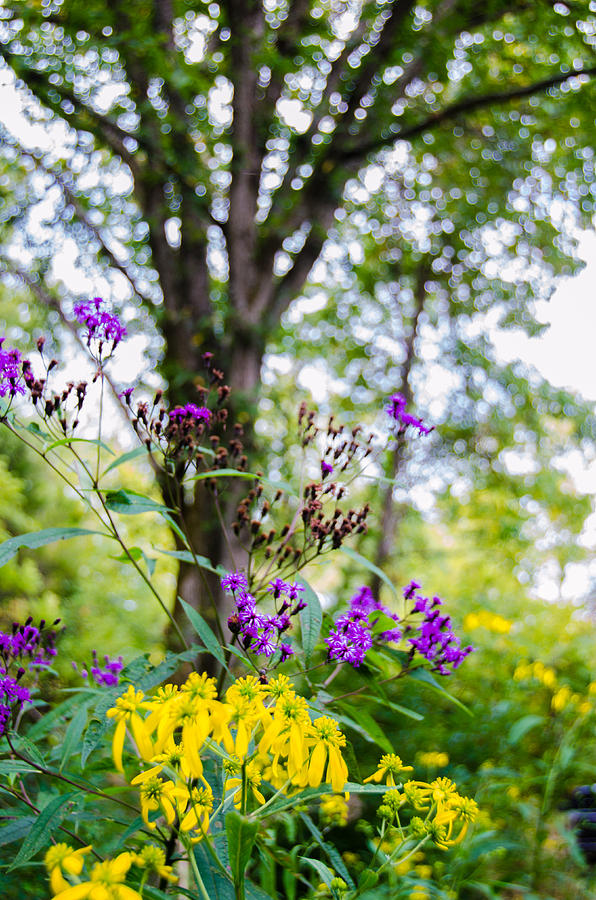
(225, 136)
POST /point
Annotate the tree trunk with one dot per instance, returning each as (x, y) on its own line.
(391, 513)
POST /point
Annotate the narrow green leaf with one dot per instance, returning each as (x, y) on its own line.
(330, 851)
(520, 728)
(426, 677)
(72, 738)
(323, 871)
(45, 824)
(16, 830)
(357, 557)
(204, 631)
(223, 473)
(35, 539)
(311, 619)
(131, 503)
(201, 561)
(217, 884)
(48, 720)
(126, 457)
(95, 731)
(63, 442)
(33, 428)
(371, 728)
(254, 892)
(404, 710)
(11, 767)
(28, 749)
(241, 833)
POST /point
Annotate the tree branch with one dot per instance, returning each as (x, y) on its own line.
(468, 104)
(46, 299)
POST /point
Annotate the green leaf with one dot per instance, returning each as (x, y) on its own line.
(131, 503)
(404, 710)
(223, 473)
(334, 857)
(426, 677)
(241, 833)
(28, 749)
(95, 731)
(11, 767)
(35, 539)
(218, 885)
(64, 442)
(371, 728)
(323, 871)
(48, 720)
(204, 631)
(45, 824)
(357, 557)
(16, 830)
(254, 892)
(72, 738)
(311, 619)
(200, 561)
(520, 728)
(126, 457)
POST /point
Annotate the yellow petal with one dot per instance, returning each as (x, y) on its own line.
(317, 765)
(118, 744)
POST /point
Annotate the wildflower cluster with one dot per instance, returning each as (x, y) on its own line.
(102, 326)
(104, 674)
(562, 697)
(11, 371)
(433, 637)
(258, 733)
(396, 408)
(191, 434)
(353, 635)
(448, 814)
(486, 619)
(258, 632)
(367, 620)
(24, 647)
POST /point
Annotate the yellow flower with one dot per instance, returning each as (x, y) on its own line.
(333, 810)
(156, 794)
(126, 710)
(432, 759)
(195, 813)
(286, 735)
(252, 774)
(154, 858)
(107, 882)
(390, 765)
(62, 858)
(191, 714)
(327, 740)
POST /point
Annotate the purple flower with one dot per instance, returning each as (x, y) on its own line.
(396, 408)
(235, 581)
(190, 411)
(101, 325)
(12, 697)
(433, 637)
(285, 650)
(326, 469)
(349, 641)
(11, 372)
(37, 645)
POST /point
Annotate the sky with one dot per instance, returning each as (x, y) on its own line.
(565, 354)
